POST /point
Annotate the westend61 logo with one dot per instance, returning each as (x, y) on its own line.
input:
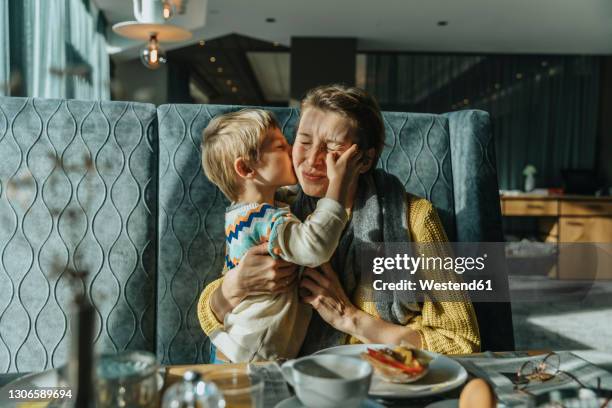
(411, 264)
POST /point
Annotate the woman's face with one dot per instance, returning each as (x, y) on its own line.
(319, 132)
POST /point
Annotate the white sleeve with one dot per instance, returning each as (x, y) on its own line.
(312, 242)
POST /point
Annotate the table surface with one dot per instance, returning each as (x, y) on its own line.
(175, 372)
(601, 359)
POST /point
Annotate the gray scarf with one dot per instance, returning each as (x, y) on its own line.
(378, 215)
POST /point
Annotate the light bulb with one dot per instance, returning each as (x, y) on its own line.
(168, 10)
(152, 56)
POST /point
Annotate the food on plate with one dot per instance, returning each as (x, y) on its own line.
(398, 365)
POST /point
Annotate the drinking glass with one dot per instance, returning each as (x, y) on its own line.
(127, 379)
(239, 389)
(192, 392)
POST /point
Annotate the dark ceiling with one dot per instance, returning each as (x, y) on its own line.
(221, 70)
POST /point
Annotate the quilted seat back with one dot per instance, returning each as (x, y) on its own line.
(78, 191)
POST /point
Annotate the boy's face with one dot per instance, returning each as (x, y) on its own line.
(275, 168)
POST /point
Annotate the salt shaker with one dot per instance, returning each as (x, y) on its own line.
(193, 392)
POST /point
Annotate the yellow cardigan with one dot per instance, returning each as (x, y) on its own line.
(444, 327)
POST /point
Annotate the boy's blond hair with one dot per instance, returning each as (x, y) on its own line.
(230, 136)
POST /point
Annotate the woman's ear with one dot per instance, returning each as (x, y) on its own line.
(367, 160)
(242, 168)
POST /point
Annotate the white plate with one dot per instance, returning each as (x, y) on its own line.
(294, 402)
(444, 375)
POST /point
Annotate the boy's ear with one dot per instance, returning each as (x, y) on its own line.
(367, 160)
(242, 168)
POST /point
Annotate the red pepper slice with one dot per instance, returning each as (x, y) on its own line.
(383, 358)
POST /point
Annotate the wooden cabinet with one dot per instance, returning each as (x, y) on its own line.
(568, 220)
(586, 208)
(530, 207)
(585, 229)
(580, 261)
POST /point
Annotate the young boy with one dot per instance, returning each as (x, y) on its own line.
(245, 154)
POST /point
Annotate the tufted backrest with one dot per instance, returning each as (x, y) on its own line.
(448, 159)
(78, 190)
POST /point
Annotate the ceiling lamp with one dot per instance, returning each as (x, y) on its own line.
(150, 26)
(151, 55)
(167, 9)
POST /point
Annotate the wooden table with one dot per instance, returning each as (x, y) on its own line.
(175, 373)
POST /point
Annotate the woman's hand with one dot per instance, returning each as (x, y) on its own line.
(328, 298)
(330, 301)
(257, 273)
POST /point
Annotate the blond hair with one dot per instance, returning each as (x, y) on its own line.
(230, 136)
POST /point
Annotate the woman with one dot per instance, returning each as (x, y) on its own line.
(332, 118)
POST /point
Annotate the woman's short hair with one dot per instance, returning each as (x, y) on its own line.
(356, 105)
(230, 136)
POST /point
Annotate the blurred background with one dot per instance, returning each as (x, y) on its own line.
(542, 69)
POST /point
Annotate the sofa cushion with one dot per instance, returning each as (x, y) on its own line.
(78, 190)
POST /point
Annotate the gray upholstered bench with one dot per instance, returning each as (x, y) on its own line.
(116, 189)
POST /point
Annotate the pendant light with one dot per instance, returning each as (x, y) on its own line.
(151, 26)
(168, 9)
(151, 55)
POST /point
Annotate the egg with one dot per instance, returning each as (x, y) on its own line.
(477, 394)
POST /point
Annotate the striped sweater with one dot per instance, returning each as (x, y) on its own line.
(267, 327)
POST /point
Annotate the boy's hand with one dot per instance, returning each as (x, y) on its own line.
(342, 171)
(340, 165)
